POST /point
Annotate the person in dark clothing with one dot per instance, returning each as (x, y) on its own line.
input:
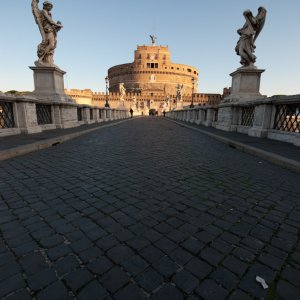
(131, 112)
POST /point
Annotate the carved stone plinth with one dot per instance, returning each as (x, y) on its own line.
(49, 84)
(245, 85)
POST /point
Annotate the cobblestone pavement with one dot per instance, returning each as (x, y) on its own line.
(147, 209)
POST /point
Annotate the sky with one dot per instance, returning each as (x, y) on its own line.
(99, 34)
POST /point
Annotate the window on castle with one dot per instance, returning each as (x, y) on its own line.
(189, 70)
(152, 65)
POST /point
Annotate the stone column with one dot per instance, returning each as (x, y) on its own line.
(27, 118)
(209, 117)
(262, 120)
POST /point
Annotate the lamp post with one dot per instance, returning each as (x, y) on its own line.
(106, 95)
(193, 85)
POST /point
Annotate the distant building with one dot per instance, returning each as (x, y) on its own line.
(151, 82)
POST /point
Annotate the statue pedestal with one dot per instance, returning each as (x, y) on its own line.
(49, 84)
(179, 104)
(245, 85)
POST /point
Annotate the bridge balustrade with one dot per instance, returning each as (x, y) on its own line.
(27, 114)
(277, 117)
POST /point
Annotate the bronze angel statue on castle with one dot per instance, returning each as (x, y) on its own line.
(48, 29)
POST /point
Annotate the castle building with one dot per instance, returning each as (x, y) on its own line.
(151, 81)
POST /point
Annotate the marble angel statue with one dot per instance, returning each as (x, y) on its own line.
(122, 91)
(248, 34)
(48, 29)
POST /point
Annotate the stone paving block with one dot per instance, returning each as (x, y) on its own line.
(52, 241)
(165, 245)
(193, 245)
(212, 256)
(80, 245)
(165, 266)
(40, 280)
(58, 252)
(226, 278)
(296, 257)
(230, 238)
(262, 233)
(243, 254)
(11, 284)
(168, 291)
(175, 222)
(33, 263)
(281, 244)
(130, 292)
(271, 261)
(252, 243)
(6, 257)
(222, 246)
(114, 279)
(291, 275)
(163, 228)
(124, 235)
(287, 291)
(205, 237)
(235, 265)
(180, 256)
(210, 290)
(95, 234)
(138, 243)
(276, 252)
(8, 270)
(177, 236)
(66, 264)
(152, 235)
(149, 279)
(78, 278)
(90, 254)
(93, 291)
(199, 268)
(100, 265)
(239, 295)
(185, 281)
(20, 294)
(151, 254)
(107, 242)
(55, 291)
(119, 253)
(134, 265)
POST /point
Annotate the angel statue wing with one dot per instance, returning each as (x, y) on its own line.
(260, 19)
(37, 16)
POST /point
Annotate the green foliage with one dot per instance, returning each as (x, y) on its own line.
(14, 92)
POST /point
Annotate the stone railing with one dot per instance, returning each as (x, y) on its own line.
(27, 114)
(277, 117)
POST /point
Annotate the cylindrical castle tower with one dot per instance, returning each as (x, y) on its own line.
(152, 72)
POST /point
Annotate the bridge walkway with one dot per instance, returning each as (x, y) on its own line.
(147, 209)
